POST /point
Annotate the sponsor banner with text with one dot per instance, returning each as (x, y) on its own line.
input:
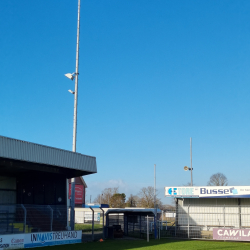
(52, 238)
(12, 241)
(231, 234)
(208, 192)
(15, 241)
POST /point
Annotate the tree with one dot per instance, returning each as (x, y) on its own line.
(146, 198)
(105, 196)
(132, 201)
(218, 179)
(118, 200)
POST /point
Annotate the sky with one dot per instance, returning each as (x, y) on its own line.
(153, 73)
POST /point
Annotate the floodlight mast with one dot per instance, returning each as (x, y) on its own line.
(72, 210)
(191, 161)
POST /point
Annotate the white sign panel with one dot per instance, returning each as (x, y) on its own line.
(13, 241)
(170, 215)
(231, 234)
(88, 216)
(52, 238)
(208, 192)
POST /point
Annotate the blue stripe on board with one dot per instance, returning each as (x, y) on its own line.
(52, 243)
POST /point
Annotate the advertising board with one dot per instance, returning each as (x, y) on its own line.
(208, 192)
(231, 234)
(13, 241)
(88, 216)
(52, 238)
(78, 194)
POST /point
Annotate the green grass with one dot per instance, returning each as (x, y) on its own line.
(88, 227)
(162, 244)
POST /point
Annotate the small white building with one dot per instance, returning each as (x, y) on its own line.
(201, 209)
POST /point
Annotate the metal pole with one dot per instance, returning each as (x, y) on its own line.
(93, 223)
(191, 161)
(103, 228)
(224, 216)
(51, 216)
(239, 212)
(188, 221)
(154, 185)
(176, 215)
(159, 229)
(155, 221)
(24, 217)
(72, 215)
(147, 230)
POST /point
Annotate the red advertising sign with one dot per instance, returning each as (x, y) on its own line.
(231, 234)
(78, 194)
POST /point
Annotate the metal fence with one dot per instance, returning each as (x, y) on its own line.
(21, 218)
(91, 221)
(191, 221)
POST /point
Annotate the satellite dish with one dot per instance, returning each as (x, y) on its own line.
(186, 168)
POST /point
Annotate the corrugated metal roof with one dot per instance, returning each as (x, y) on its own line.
(36, 153)
(131, 210)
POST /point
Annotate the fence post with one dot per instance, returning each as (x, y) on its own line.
(93, 223)
(102, 223)
(140, 226)
(224, 216)
(239, 213)
(51, 216)
(159, 228)
(188, 220)
(25, 217)
(147, 230)
(161, 218)
(176, 215)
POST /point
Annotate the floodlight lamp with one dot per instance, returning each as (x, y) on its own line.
(186, 168)
(72, 92)
(70, 76)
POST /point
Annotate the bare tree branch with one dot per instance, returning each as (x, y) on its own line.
(218, 179)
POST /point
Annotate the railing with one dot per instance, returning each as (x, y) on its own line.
(198, 221)
(20, 218)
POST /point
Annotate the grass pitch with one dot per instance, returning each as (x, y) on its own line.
(163, 244)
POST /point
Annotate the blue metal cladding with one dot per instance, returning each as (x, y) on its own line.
(36, 153)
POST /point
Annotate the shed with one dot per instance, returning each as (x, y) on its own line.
(200, 210)
(34, 186)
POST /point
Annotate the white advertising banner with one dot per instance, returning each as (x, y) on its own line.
(52, 238)
(208, 192)
(88, 216)
(231, 234)
(12, 241)
(15, 241)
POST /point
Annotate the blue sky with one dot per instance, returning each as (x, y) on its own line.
(153, 73)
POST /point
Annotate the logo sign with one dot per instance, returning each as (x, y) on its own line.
(78, 194)
(208, 192)
(13, 241)
(88, 216)
(231, 234)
